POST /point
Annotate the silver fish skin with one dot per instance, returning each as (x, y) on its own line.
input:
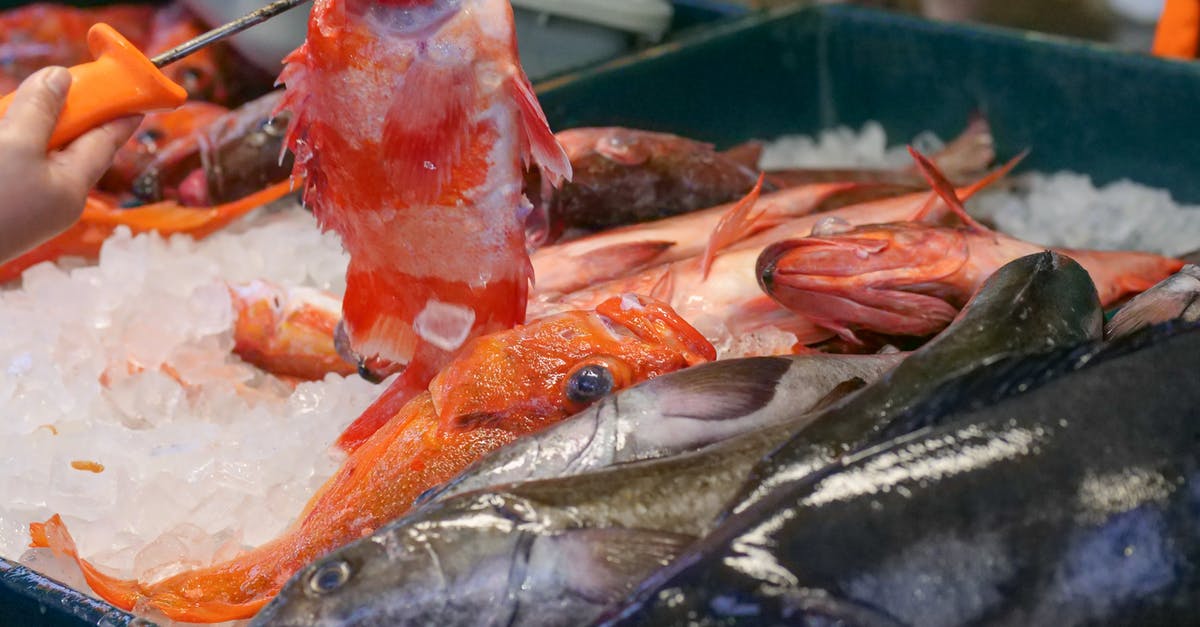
(673, 414)
(549, 552)
(1175, 298)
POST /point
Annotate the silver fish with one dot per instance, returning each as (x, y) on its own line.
(672, 414)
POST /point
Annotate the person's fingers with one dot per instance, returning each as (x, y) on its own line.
(36, 105)
(86, 159)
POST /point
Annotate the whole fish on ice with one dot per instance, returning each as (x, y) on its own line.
(411, 126)
(556, 551)
(501, 387)
(909, 278)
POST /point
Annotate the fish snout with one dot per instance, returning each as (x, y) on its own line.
(656, 322)
(888, 279)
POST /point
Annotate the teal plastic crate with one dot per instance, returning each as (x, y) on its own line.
(1079, 107)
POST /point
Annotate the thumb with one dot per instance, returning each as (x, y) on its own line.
(36, 105)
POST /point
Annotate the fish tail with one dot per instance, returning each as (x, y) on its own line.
(733, 226)
(410, 383)
(224, 591)
(53, 535)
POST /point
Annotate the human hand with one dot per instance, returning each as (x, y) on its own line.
(44, 192)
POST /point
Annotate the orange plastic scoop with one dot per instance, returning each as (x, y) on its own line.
(122, 81)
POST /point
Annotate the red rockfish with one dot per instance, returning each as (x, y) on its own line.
(412, 126)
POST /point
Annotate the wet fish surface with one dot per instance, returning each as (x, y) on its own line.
(1034, 304)
(1073, 503)
(464, 557)
(672, 414)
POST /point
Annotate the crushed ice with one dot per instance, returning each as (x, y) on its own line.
(93, 359)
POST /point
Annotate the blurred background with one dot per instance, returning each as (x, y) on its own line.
(1128, 24)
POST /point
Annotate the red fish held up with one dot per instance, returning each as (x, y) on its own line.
(412, 126)
(501, 387)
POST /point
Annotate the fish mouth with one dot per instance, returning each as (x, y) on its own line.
(656, 322)
(416, 19)
(890, 279)
(375, 369)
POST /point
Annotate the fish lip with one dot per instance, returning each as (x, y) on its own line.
(384, 18)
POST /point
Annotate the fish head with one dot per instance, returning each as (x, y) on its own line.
(559, 365)
(287, 331)
(896, 279)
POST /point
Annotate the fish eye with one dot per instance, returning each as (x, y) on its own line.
(329, 577)
(590, 383)
(151, 136)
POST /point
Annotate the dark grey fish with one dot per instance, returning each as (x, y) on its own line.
(672, 414)
(1069, 496)
(1176, 297)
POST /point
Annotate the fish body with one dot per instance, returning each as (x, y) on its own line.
(229, 157)
(1175, 298)
(504, 386)
(411, 125)
(912, 279)
(157, 132)
(623, 251)
(627, 176)
(673, 414)
(1060, 491)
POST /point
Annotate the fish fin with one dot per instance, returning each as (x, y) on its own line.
(747, 154)
(839, 392)
(615, 559)
(970, 153)
(426, 137)
(720, 390)
(542, 146)
(615, 261)
(654, 321)
(973, 189)
(1144, 312)
(664, 287)
(733, 226)
(799, 603)
(53, 534)
(408, 385)
(945, 189)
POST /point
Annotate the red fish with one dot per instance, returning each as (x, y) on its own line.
(501, 387)
(626, 176)
(412, 124)
(912, 278)
(721, 296)
(287, 331)
(41, 34)
(101, 218)
(157, 131)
